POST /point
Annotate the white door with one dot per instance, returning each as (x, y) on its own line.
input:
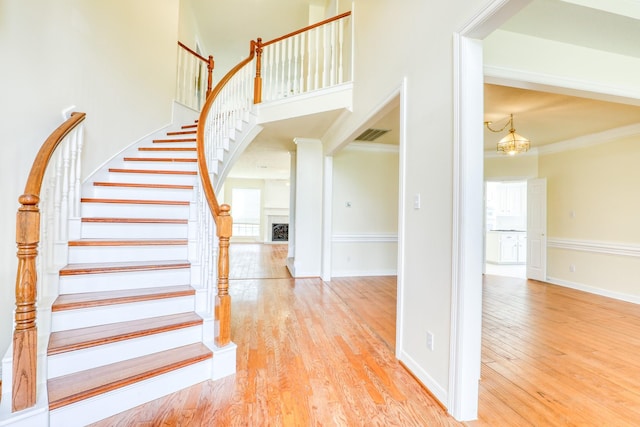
(537, 229)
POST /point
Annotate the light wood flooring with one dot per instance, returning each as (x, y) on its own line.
(305, 358)
(312, 353)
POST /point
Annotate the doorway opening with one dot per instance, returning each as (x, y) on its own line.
(506, 228)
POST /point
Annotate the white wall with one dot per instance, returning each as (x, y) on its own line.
(420, 49)
(365, 211)
(308, 208)
(188, 30)
(593, 211)
(113, 59)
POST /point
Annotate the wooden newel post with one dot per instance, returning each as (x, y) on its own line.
(257, 85)
(209, 75)
(25, 336)
(224, 224)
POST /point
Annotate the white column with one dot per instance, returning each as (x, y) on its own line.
(327, 223)
(292, 214)
(308, 208)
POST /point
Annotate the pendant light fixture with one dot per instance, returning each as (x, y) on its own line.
(513, 143)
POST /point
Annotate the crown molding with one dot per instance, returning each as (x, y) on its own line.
(591, 140)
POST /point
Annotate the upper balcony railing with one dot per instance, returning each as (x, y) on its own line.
(315, 57)
(194, 77)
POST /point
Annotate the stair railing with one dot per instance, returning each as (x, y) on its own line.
(229, 102)
(60, 201)
(314, 57)
(191, 88)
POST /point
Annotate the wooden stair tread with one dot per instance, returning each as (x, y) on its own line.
(135, 201)
(160, 159)
(124, 296)
(74, 387)
(189, 126)
(190, 149)
(128, 242)
(142, 185)
(182, 132)
(77, 339)
(174, 140)
(136, 220)
(152, 171)
(119, 267)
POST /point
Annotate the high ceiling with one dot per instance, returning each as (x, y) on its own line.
(545, 118)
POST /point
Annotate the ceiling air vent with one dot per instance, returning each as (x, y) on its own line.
(371, 134)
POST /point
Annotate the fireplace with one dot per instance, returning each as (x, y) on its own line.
(279, 232)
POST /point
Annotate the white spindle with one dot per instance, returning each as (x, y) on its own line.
(332, 75)
(302, 49)
(80, 134)
(340, 52)
(288, 86)
(64, 202)
(316, 79)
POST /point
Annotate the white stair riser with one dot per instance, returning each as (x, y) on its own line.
(92, 254)
(156, 153)
(124, 280)
(173, 144)
(169, 166)
(137, 193)
(130, 210)
(83, 318)
(80, 360)
(153, 178)
(105, 405)
(95, 230)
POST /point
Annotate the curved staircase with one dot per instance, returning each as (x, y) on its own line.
(125, 327)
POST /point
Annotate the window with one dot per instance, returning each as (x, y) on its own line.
(246, 212)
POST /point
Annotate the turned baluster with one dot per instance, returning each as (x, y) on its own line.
(224, 225)
(25, 335)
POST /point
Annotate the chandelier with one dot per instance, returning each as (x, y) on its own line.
(511, 144)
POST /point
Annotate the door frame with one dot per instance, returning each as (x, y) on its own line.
(468, 179)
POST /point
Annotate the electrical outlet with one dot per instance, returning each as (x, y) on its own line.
(572, 268)
(430, 340)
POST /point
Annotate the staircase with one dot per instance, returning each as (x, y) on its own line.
(124, 328)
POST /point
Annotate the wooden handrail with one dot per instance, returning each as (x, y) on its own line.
(207, 186)
(25, 337)
(192, 52)
(209, 61)
(307, 28)
(221, 213)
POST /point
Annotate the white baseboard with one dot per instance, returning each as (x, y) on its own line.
(432, 385)
(593, 290)
(364, 273)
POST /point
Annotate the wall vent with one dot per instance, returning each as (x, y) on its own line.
(371, 134)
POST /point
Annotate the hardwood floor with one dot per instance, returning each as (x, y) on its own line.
(314, 353)
(304, 359)
(553, 356)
